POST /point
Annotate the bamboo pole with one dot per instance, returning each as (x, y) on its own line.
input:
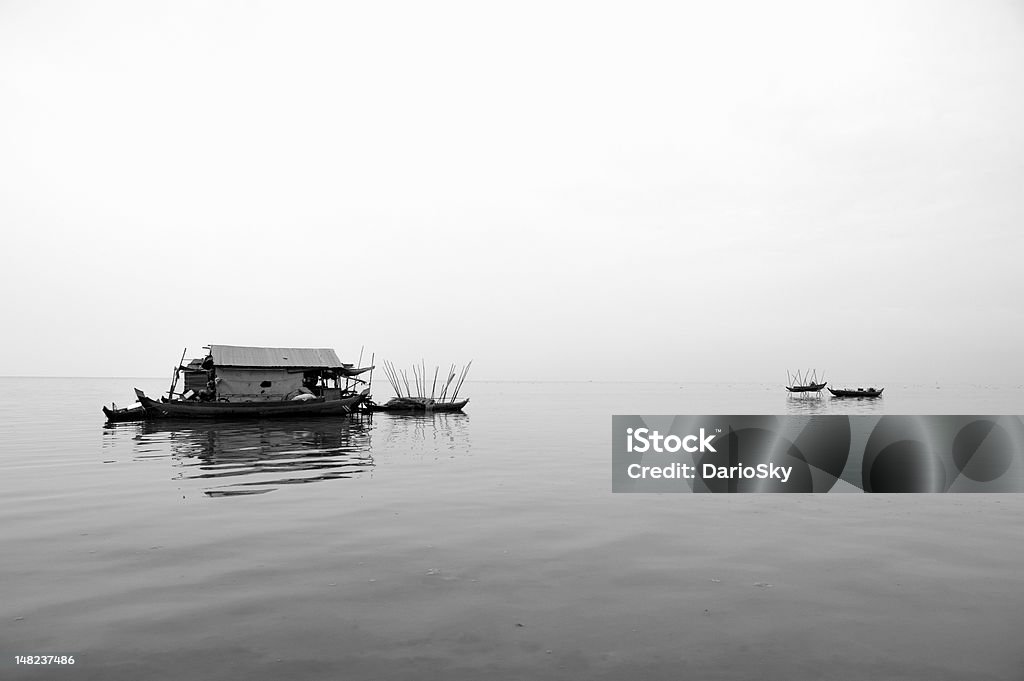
(397, 382)
(451, 375)
(358, 363)
(369, 383)
(389, 371)
(174, 379)
(462, 379)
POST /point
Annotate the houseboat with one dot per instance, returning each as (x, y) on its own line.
(241, 382)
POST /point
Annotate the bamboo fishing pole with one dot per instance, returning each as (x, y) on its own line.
(396, 378)
(358, 364)
(462, 379)
(389, 371)
(369, 382)
(451, 375)
(174, 379)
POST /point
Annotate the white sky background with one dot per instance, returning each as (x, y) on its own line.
(554, 189)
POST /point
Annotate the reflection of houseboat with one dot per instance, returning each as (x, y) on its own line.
(234, 382)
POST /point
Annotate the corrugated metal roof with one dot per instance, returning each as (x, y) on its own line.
(298, 358)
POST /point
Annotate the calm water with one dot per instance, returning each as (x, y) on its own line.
(486, 544)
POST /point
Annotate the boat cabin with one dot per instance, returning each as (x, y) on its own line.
(235, 373)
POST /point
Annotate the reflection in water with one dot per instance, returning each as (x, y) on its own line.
(244, 458)
(253, 457)
(423, 433)
(813, 403)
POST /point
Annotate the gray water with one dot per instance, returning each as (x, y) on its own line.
(485, 544)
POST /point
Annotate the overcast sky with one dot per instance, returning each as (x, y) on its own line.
(564, 190)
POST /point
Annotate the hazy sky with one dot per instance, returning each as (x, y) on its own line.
(574, 190)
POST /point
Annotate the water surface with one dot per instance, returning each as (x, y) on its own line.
(485, 544)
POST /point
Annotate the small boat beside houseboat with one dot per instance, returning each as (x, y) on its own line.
(418, 405)
(436, 401)
(242, 382)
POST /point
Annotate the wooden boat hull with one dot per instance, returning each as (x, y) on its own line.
(176, 409)
(125, 415)
(856, 393)
(812, 388)
(409, 407)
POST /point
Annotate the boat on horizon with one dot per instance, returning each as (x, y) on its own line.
(806, 383)
(859, 392)
(809, 388)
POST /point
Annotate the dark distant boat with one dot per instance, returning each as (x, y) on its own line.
(417, 405)
(135, 412)
(859, 392)
(805, 382)
(809, 388)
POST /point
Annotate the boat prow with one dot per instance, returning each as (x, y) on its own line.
(134, 412)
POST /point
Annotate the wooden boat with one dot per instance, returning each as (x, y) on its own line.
(809, 388)
(135, 412)
(859, 392)
(805, 382)
(407, 403)
(416, 405)
(264, 409)
(242, 382)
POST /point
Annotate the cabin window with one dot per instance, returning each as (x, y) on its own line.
(265, 384)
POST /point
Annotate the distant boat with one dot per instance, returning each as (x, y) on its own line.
(859, 392)
(809, 388)
(808, 382)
